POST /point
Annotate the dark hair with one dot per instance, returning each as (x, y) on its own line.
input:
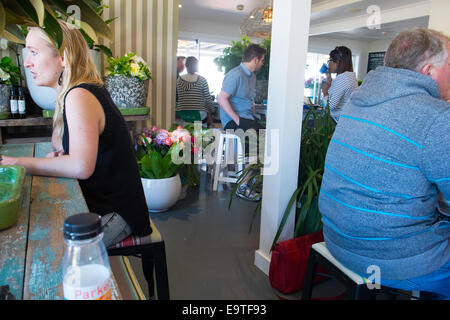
(180, 57)
(343, 57)
(190, 61)
(253, 51)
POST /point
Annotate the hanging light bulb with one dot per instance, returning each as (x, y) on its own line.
(268, 12)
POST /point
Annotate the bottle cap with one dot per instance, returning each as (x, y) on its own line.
(82, 226)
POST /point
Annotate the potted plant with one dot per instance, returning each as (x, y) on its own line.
(126, 79)
(160, 174)
(9, 75)
(232, 57)
(317, 130)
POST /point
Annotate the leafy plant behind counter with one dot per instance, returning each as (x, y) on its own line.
(9, 73)
(232, 56)
(317, 130)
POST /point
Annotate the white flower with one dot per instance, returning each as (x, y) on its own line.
(3, 75)
(138, 59)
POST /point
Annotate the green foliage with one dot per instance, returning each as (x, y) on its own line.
(15, 15)
(128, 65)
(9, 73)
(317, 130)
(155, 160)
(232, 56)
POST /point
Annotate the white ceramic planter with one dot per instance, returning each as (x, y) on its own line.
(161, 194)
(45, 97)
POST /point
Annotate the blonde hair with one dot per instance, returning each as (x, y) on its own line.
(78, 69)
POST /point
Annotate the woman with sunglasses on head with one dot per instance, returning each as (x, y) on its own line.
(90, 138)
(338, 91)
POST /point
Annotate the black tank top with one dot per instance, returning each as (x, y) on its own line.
(115, 185)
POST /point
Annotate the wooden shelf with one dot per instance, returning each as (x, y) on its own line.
(40, 121)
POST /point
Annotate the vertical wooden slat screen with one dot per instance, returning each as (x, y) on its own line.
(150, 29)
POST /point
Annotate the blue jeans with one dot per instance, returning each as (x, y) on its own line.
(437, 282)
(115, 229)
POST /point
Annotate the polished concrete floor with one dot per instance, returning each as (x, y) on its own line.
(210, 250)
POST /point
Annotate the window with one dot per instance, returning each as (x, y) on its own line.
(205, 52)
(314, 79)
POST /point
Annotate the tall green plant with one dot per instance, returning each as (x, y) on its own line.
(317, 130)
(232, 56)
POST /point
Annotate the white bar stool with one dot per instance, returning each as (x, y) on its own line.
(228, 151)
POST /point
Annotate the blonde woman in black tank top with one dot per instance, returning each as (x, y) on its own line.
(90, 137)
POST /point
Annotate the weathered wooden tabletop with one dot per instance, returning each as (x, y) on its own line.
(31, 251)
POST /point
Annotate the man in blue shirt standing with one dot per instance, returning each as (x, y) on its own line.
(236, 98)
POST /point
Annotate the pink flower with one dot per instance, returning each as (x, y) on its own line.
(164, 131)
(179, 128)
(147, 132)
(195, 150)
(154, 128)
(161, 136)
(168, 141)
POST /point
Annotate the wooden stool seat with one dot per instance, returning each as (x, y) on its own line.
(357, 286)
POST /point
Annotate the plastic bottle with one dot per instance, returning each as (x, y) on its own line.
(86, 270)
(14, 104)
(21, 104)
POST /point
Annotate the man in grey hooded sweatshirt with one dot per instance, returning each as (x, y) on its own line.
(387, 162)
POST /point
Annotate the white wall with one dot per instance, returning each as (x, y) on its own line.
(208, 31)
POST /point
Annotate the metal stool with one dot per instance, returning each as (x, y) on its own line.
(356, 285)
(228, 149)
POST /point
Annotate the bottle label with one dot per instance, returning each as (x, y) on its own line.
(88, 282)
(14, 106)
(22, 106)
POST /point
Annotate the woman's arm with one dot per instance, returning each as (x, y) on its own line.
(85, 120)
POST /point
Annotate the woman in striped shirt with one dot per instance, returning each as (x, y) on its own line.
(194, 100)
(338, 91)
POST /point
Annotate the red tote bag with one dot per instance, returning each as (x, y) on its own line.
(289, 260)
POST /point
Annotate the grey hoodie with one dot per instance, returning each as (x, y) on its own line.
(389, 156)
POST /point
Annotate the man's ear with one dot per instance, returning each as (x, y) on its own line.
(426, 69)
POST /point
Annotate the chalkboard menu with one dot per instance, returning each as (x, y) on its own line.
(376, 59)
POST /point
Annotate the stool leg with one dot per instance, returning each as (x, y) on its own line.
(309, 275)
(162, 280)
(147, 268)
(240, 155)
(217, 165)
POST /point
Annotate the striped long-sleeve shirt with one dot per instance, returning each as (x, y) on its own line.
(339, 93)
(193, 94)
(387, 161)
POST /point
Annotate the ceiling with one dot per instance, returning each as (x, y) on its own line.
(323, 11)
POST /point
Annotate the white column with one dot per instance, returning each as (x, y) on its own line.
(439, 19)
(290, 30)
